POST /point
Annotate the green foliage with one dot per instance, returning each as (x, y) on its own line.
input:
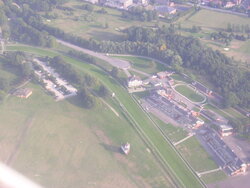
(4, 84)
(139, 13)
(66, 70)
(103, 91)
(114, 72)
(87, 99)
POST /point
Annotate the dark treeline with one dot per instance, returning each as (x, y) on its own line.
(85, 82)
(15, 62)
(140, 13)
(44, 5)
(22, 32)
(242, 28)
(82, 56)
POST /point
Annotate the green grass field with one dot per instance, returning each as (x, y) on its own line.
(60, 144)
(143, 64)
(214, 177)
(208, 19)
(189, 93)
(175, 134)
(92, 24)
(141, 122)
(202, 161)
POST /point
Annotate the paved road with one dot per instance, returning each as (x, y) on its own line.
(121, 64)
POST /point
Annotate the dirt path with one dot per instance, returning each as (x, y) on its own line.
(110, 107)
(20, 139)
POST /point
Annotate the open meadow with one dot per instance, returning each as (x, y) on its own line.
(212, 21)
(143, 64)
(91, 24)
(189, 93)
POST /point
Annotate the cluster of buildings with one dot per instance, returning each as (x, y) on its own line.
(59, 87)
(165, 103)
(174, 110)
(223, 155)
(163, 7)
(161, 79)
(227, 4)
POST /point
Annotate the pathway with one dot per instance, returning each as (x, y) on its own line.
(111, 108)
(122, 64)
(207, 172)
(184, 139)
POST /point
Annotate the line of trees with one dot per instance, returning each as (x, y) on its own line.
(140, 13)
(87, 84)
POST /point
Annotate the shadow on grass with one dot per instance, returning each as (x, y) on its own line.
(105, 35)
(76, 101)
(111, 148)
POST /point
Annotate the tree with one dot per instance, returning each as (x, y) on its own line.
(231, 100)
(114, 72)
(86, 98)
(103, 91)
(106, 25)
(26, 69)
(4, 84)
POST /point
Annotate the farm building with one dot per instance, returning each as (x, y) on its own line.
(162, 10)
(164, 74)
(121, 4)
(134, 81)
(23, 93)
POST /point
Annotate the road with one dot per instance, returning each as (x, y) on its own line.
(121, 64)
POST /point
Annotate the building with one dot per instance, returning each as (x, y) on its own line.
(134, 81)
(163, 10)
(225, 130)
(93, 1)
(229, 4)
(225, 157)
(23, 93)
(120, 4)
(162, 75)
(142, 2)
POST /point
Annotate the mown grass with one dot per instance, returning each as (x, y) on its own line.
(174, 133)
(189, 93)
(195, 154)
(92, 24)
(208, 19)
(214, 177)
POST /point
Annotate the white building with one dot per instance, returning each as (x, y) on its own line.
(134, 81)
(92, 1)
(225, 130)
(120, 4)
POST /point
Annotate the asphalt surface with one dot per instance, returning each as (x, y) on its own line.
(121, 64)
